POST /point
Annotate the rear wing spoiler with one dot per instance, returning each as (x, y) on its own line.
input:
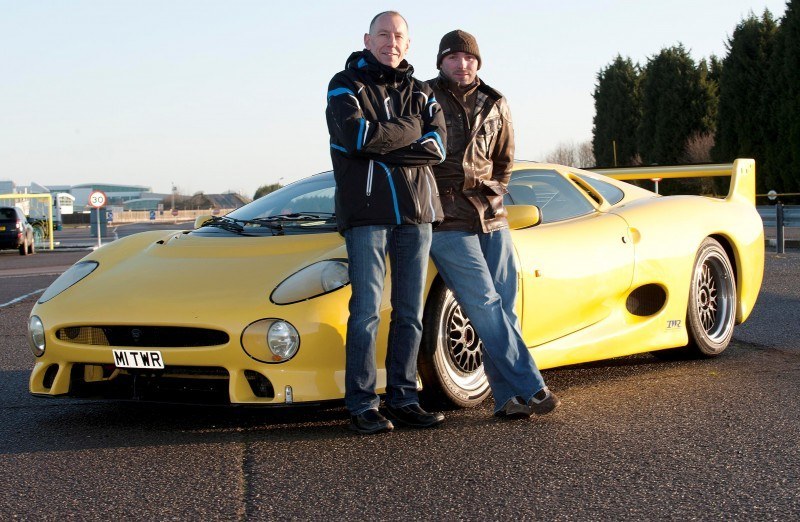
(742, 172)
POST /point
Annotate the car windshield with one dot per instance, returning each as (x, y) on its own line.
(306, 206)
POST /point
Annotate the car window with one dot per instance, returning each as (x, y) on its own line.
(557, 198)
(611, 193)
(7, 213)
(314, 195)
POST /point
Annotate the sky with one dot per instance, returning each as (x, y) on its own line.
(219, 96)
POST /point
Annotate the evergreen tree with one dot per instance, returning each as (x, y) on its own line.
(678, 102)
(617, 113)
(782, 167)
(742, 117)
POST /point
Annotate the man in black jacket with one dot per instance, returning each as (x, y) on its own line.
(386, 131)
(472, 248)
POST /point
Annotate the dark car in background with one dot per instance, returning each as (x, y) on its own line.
(15, 231)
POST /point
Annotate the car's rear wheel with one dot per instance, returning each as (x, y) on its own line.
(711, 315)
(32, 246)
(23, 248)
(450, 359)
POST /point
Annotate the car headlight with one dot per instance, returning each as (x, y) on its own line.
(73, 274)
(312, 281)
(271, 340)
(36, 336)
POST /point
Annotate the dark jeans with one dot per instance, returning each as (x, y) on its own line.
(367, 247)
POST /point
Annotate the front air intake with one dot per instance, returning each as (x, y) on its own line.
(143, 336)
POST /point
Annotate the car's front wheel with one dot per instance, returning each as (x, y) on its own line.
(712, 301)
(450, 361)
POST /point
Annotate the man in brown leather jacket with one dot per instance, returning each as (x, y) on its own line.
(472, 248)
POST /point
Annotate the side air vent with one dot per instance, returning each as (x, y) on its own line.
(646, 300)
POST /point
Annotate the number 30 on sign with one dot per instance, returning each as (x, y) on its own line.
(97, 199)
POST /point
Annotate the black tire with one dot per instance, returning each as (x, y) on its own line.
(711, 314)
(23, 248)
(32, 247)
(450, 362)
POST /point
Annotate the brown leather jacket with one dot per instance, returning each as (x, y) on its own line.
(480, 154)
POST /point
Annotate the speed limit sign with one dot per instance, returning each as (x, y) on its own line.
(97, 199)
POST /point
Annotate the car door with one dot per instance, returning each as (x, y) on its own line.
(576, 265)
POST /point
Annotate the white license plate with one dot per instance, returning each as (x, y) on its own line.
(138, 359)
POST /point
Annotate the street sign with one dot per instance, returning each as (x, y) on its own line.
(152, 214)
(97, 199)
(109, 216)
(174, 212)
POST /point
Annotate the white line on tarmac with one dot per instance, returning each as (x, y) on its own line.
(20, 298)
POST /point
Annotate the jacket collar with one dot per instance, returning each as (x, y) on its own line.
(366, 61)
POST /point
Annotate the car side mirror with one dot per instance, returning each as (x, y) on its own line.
(523, 216)
(199, 221)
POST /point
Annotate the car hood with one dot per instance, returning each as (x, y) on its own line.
(182, 278)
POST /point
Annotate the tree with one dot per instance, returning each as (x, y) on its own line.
(617, 113)
(678, 100)
(782, 102)
(263, 190)
(572, 155)
(743, 118)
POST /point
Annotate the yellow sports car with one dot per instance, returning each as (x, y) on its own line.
(251, 308)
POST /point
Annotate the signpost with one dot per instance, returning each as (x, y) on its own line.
(98, 199)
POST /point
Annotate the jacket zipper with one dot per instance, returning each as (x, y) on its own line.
(431, 194)
(369, 178)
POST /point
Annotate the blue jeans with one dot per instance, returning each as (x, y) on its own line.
(367, 246)
(480, 270)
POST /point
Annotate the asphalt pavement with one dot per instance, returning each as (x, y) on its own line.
(637, 438)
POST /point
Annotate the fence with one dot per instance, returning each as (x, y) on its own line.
(142, 216)
(780, 217)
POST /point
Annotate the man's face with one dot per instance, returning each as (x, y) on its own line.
(388, 40)
(460, 68)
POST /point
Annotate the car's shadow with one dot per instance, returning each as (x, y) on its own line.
(33, 424)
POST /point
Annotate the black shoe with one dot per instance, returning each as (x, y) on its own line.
(514, 409)
(543, 402)
(370, 422)
(413, 416)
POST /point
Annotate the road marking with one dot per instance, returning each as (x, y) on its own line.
(20, 298)
(31, 271)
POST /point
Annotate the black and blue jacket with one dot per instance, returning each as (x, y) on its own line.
(386, 130)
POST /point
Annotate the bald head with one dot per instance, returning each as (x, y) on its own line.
(387, 39)
(394, 13)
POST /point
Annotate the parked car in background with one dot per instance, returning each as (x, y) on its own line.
(251, 308)
(15, 231)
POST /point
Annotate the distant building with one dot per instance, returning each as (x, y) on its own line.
(202, 201)
(116, 194)
(8, 187)
(75, 198)
(143, 203)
